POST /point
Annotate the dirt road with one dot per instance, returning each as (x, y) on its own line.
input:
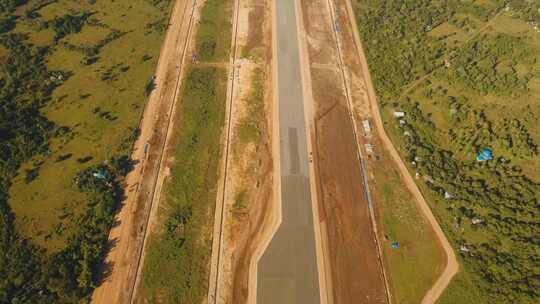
(127, 235)
(452, 266)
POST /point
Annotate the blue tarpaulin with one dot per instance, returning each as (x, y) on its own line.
(484, 154)
(395, 245)
(100, 175)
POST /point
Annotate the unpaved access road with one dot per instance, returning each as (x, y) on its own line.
(127, 235)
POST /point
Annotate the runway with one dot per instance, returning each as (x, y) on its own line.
(287, 271)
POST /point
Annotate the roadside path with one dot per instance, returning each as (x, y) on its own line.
(452, 265)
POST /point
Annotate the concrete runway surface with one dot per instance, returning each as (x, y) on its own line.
(287, 271)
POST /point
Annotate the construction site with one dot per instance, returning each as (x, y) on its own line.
(294, 220)
(269, 151)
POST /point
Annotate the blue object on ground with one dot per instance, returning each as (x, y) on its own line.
(485, 154)
(395, 245)
(100, 175)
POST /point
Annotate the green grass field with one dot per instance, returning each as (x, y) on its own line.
(249, 128)
(214, 34)
(101, 103)
(461, 290)
(73, 86)
(413, 267)
(176, 264)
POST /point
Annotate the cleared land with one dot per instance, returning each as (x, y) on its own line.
(184, 230)
(248, 186)
(412, 269)
(354, 265)
(355, 83)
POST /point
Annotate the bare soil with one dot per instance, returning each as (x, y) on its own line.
(248, 230)
(251, 164)
(354, 266)
(319, 38)
(257, 25)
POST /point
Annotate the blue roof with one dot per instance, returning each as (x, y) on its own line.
(485, 154)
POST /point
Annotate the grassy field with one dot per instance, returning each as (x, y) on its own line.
(72, 89)
(176, 265)
(249, 132)
(214, 34)
(250, 126)
(413, 267)
(461, 290)
(100, 103)
(486, 96)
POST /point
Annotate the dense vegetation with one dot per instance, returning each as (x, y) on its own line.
(30, 274)
(464, 85)
(23, 133)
